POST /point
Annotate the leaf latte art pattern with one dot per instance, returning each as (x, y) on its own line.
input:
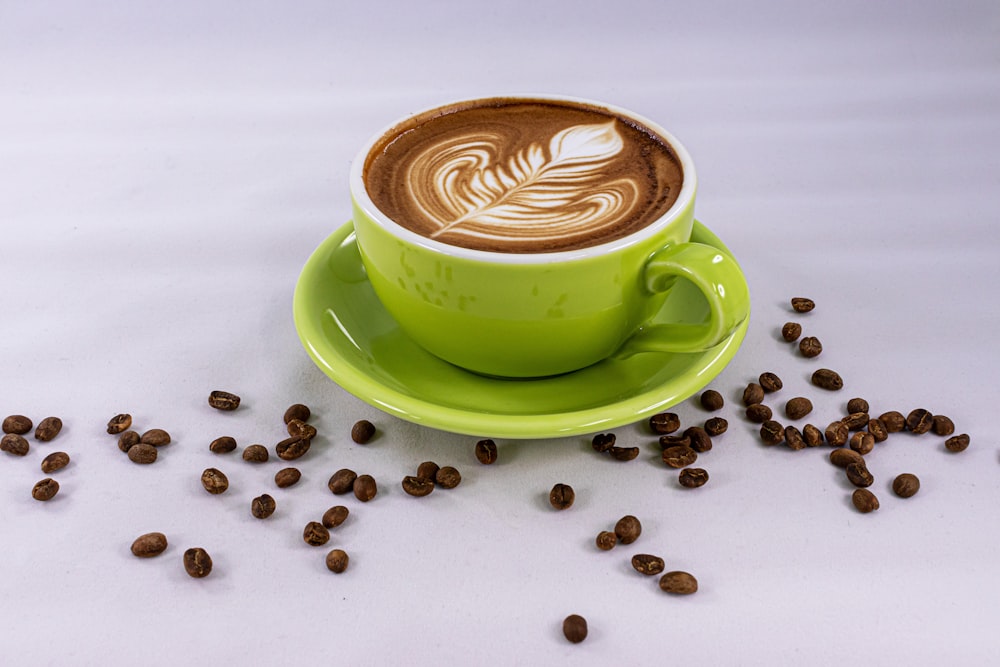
(475, 184)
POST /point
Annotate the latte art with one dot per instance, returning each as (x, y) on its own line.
(529, 176)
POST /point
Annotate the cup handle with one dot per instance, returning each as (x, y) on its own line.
(720, 280)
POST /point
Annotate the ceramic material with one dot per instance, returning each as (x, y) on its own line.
(350, 336)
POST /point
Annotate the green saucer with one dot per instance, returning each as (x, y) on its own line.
(356, 343)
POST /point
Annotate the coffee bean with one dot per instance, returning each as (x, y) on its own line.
(858, 475)
(894, 421)
(428, 470)
(674, 441)
(15, 444)
(942, 425)
(794, 439)
(297, 411)
(772, 433)
(17, 424)
(759, 413)
(127, 440)
(197, 562)
(365, 488)
(791, 331)
(48, 429)
(417, 486)
(603, 442)
(647, 564)
(45, 489)
(156, 437)
(561, 496)
(149, 545)
(664, 423)
(337, 560)
(753, 394)
(905, 485)
(623, 453)
(824, 378)
(299, 429)
(812, 435)
(55, 461)
(486, 452)
(315, 534)
(716, 426)
(255, 454)
(119, 423)
(692, 478)
(810, 347)
(628, 529)
(223, 400)
(864, 500)
(287, 477)
(214, 481)
(362, 432)
(335, 516)
(770, 382)
(678, 583)
(142, 453)
(836, 434)
(222, 445)
(798, 407)
(801, 304)
(701, 441)
(919, 421)
(294, 447)
(862, 442)
(679, 456)
(843, 457)
(856, 421)
(342, 481)
(448, 477)
(575, 628)
(857, 405)
(606, 540)
(262, 506)
(878, 430)
(957, 443)
(712, 400)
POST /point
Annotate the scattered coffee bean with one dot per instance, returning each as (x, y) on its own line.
(716, 426)
(127, 440)
(800, 304)
(417, 486)
(858, 474)
(197, 562)
(214, 481)
(753, 394)
(17, 424)
(287, 477)
(942, 425)
(843, 457)
(561, 496)
(365, 488)
(335, 516)
(142, 453)
(48, 429)
(628, 529)
(857, 405)
(428, 470)
(623, 453)
(894, 421)
(15, 444)
(957, 443)
(862, 442)
(864, 500)
(664, 423)
(794, 439)
(255, 454)
(262, 506)
(810, 347)
(486, 452)
(299, 429)
(712, 400)
(812, 435)
(342, 481)
(294, 447)
(575, 628)
(315, 534)
(156, 437)
(679, 456)
(837, 434)
(674, 441)
(824, 378)
(362, 431)
(770, 382)
(448, 477)
(772, 433)
(759, 413)
(798, 407)
(905, 485)
(149, 545)
(878, 430)
(647, 564)
(603, 442)
(297, 411)
(791, 331)
(223, 400)
(223, 445)
(55, 461)
(606, 540)
(678, 583)
(692, 478)
(856, 421)
(337, 560)
(919, 421)
(701, 441)
(45, 489)
(119, 423)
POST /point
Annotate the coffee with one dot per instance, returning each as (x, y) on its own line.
(523, 175)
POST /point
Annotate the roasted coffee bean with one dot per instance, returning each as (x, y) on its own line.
(712, 400)
(753, 394)
(794, 439)
(119, 423)
(575, 628)
(647, 564)
(17, 424)
(810, 347)
(623, 453)
(772, 433)
(417, 486)
(428, 470)
(255, 454)
(824, 378)
(857, 405)
(214, 481)
(197, 562)
(679, 456)
(337, 560)
(791, 331)
(798, 407)
(836, 434)
(149, 545)
(223, 445)
(942, 425)
(287, 477)
(894, 421)
(45, 489)
(716, 426)
(15, 444)
(674, 441)
(905, 485)
(448, 477)
(800, 304)
(603, 442)
(812, 435)
(759, 413)
(957, 443)
(156, 437)
(127, 440)
(864, 500)
(843, 457)
(606, 540)
(856, 421)
(365, 488)
(55, 461)
(297, 411)
(678, 583)
(770, 382)
(262, 506)
(664, 423)
(561, 496)
(628, 529)
(701, 441)
(223, 400)
(48, 429)
(862, 442)
(692, 478)
(142, 454)
(878, 430)
(292, 448)
(299, 429)
(315, 534)
(335, 516)
(486, 452)
(342, 481)
(858, 475)
(919, 421)
(362, 432)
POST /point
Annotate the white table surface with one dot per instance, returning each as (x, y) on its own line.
(166, 169)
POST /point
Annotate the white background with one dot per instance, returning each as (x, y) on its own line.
(167, 168)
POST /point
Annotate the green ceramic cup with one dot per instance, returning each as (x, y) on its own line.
(541, 314)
